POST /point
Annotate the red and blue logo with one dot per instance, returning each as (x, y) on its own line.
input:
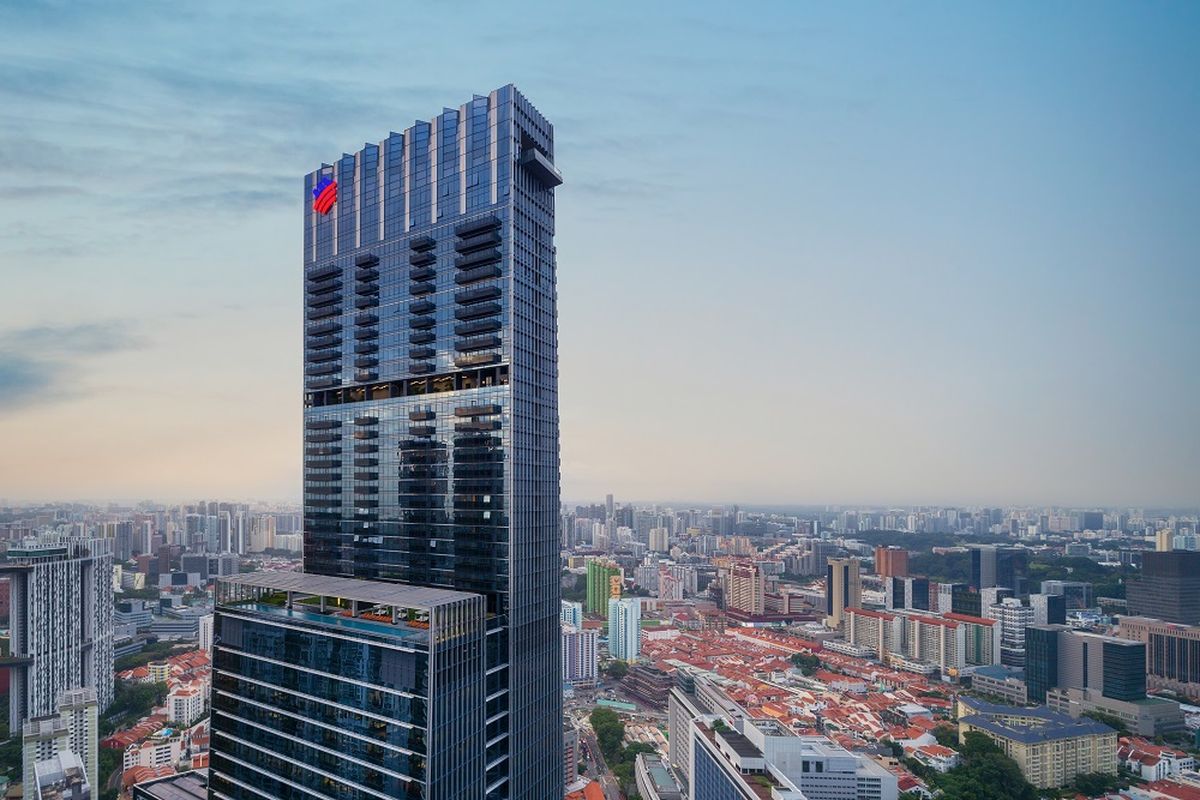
(324, 195)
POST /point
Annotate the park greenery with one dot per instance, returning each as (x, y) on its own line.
(620, 757)
(984, 772)
(132, 702)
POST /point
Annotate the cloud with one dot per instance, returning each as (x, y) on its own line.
(35, 360)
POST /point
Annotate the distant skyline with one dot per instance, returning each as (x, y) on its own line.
(852, 254)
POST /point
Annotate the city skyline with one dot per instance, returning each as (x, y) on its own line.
(971, 284)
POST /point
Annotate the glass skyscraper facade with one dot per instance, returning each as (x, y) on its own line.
(431, 397)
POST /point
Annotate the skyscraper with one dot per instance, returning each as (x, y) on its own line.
(61, 616)
(624, 628)
(998, 566)
(843, 589)
(891, 562)
(1168, 587)
(431, 398)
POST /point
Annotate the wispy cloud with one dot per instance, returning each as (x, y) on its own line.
(36, 360)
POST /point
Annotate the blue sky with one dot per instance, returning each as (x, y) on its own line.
(808, 253)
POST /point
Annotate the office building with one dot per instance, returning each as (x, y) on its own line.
(1048, 609)
(908, 594)
(335, 687)
(745, 589)
(741, 758)
(191, 785)
(579, 656)
(1050, 748)
(1076, 594)
(1172, 653)
(654, 780)
(431, 406)
(843, 589)
(998, 566)
(1167, 588)
(891, 562)
(604, 580)
(624, 628)
(1075, 672)
(54, 744)
(61, 622)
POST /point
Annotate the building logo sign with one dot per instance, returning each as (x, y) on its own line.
(324, 195)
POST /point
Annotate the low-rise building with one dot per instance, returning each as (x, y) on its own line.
(1049, 747)
(1007, 683)
(1147, 716)
(654, 780)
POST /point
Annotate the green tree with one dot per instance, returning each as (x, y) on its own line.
(807, 663)
(616, 669)
(1116, 723)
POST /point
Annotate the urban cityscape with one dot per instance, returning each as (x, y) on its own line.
(444, 606)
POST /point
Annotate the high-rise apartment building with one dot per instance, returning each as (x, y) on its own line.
(431, 410)
(61, 621)
(604, 581)
(1013, 617)
(906, 593)
(1168, 587)
(745, 589)
(624, 628)
(579, 655)
(69, 735)
(843, 589)
(891, 562)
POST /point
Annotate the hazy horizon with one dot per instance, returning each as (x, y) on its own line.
(816, 255)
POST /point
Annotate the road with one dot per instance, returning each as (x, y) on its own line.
(599, 770)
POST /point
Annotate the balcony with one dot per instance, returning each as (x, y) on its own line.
(477, 411)
(321, 356)
(419, 289)
(365, 421)
(477, 295)
(478, 343)
(477, 226)
(421, 337)
(323, 300)
(422, 430)
(321, 438)
(366, 434)
(366, 347)
(364, 376)
(368, 301)
(541, 167)
(479, 326)
(422, 243)
(478, 258)
(364, 362)
(421, 353)
(423, 368)
(366, 447)
(322, 273)
(421, 323)
(324, 287)
(421, 273)
(476, 275)
(477, 360)
(322, 313)
(478, 426)
(367, 288)
(321, 342)
(366, 275)
(423, 259)
(421, 306)
(322, 424)
(366, 319)
(323, 463)
(324, 327)
(366, 476)
(366, 333)
(478, 242)
(366, 260)
(476, 311)
(323, 369)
